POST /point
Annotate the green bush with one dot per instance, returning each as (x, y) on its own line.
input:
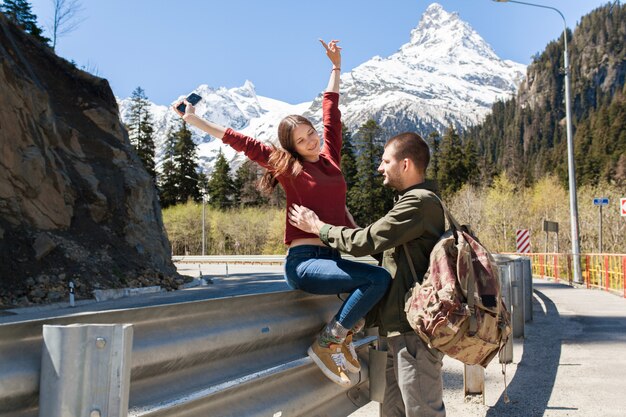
(247, 231)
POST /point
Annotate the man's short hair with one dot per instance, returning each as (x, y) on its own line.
(411, 145)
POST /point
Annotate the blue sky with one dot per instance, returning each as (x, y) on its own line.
(169, 48)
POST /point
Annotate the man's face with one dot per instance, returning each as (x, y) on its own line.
(391, 169)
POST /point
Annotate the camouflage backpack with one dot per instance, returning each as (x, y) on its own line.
(457, 308)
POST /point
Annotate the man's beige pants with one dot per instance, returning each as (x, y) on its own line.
(414, 384)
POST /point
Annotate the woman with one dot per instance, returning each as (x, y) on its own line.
(311, 176)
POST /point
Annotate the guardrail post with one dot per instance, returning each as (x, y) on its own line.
(474, 381)
(85, 370)
(527, 278)
(517, 309)
(506, 354)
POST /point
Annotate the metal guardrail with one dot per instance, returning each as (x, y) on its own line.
(253, 259)
(236, 356)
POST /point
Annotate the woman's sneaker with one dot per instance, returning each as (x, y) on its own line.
(352, 363)
(331, 362)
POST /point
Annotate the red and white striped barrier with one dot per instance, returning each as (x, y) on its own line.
(522, 239)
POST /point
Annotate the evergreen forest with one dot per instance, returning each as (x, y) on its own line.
(508, 172)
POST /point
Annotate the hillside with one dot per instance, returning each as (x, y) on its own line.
(76, 204)
(526, 135)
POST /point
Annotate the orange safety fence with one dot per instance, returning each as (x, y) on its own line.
(599, 270)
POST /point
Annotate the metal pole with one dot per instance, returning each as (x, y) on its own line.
(72, 304)
(573, 202)
(600, 234)
(203, 228)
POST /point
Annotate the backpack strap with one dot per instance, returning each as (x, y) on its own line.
(451, 220)
(471, 282)
(453, 223)
(408, 257)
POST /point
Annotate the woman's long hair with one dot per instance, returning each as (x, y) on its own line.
(284, 160)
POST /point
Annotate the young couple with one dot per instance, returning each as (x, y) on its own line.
(319, 226)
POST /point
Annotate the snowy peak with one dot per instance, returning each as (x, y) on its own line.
(446, 74)
(433, 19)
(440, 34)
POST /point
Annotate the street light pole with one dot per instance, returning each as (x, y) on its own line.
(203, 217)
(573, 200)
(204, 195)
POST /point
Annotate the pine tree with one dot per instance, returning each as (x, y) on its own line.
(452, 171)
(168, 181)
(348, 166)
(185, 161)
(20, 13)
(348, 161)
(434, 143)
(220, 186)
(369, 198)
(470, 162)
(247, 193)
(140, 130)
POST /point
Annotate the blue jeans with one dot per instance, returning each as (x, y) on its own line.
(320, 270)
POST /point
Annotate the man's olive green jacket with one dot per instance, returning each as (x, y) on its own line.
(416, 219)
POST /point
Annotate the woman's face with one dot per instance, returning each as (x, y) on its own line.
(306, 142)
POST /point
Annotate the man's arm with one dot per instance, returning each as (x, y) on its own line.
(404, 222)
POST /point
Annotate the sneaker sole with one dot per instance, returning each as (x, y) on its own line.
(329, 374)
(351, 368)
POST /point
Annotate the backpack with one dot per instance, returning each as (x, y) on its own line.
(458, 308)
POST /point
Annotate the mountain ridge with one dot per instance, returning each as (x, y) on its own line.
(411, 89)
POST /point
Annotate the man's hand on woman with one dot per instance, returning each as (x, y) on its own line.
(304, 219)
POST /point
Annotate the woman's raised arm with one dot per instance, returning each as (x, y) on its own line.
(193, 119)
(333, 52)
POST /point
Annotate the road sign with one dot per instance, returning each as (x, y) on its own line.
(602, 201)
(523, 241)
(622, 204)
(549, 226)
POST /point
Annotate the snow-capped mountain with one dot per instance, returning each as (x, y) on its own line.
(446, 74)
(239, 108)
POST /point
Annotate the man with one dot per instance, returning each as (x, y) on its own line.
(413, 374)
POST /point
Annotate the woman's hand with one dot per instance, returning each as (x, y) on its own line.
(189, 109)
(304, 219)
(333, 52)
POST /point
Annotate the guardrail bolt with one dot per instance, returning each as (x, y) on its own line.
(95, 413)
(100, 344)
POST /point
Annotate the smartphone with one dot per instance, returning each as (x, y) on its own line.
(193, 98)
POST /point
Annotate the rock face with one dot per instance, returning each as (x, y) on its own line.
(76, 203)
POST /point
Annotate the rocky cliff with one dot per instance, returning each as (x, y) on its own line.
(75, 201)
